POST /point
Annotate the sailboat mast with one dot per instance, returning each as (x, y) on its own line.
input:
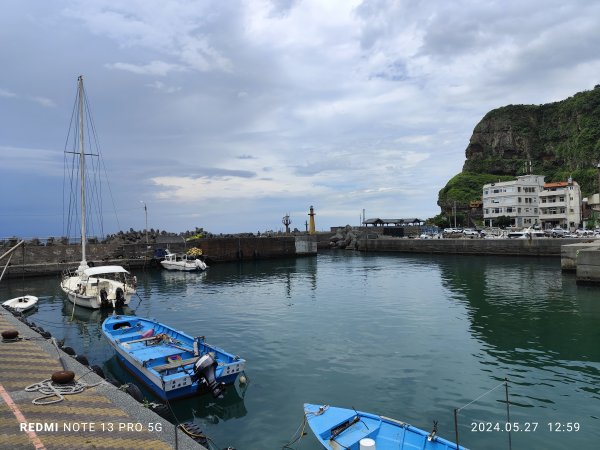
(82, 171)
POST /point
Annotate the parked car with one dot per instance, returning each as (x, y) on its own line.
(558, 232)
(471, 232)
(452, 230)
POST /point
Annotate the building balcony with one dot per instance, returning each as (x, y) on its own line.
(555, 204)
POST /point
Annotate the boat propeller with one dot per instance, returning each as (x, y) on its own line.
(204, 369)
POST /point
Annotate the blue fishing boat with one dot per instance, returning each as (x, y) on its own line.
(341, 428)
(170, 363)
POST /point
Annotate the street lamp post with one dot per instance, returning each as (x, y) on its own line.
(146, 213)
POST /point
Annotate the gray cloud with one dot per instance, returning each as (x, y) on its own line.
(344, 105)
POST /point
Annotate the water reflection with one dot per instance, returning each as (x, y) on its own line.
(92, 317)
(539, 329)
(207, 409)
(408, 336)
(518, 304)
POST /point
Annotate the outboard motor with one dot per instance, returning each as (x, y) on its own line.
(204, 369)
(120, 297)
(103, 297)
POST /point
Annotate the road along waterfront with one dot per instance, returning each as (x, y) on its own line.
(406, 336)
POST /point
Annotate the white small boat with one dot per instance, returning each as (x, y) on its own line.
(24, 303)
(175, 261)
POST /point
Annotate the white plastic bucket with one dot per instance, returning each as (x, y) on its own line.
(367, 444)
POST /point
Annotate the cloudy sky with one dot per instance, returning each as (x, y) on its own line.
(229, 114)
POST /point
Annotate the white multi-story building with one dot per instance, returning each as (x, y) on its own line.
(560, 205)
(517, 199)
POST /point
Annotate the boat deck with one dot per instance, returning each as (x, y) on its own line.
(101, 415)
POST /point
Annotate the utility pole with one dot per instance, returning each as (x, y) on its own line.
(454, 213)
(146, 213)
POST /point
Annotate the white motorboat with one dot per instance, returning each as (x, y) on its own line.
(175, 261)
(22, 304)
(93, 287)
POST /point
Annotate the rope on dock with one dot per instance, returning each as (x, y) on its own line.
(51, 389)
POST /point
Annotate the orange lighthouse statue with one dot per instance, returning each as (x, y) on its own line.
(311, 226)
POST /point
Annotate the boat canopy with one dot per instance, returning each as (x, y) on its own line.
(103, 269)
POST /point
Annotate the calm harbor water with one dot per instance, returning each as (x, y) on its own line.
(409, 337)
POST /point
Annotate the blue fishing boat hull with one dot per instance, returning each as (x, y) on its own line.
(170, 363)
(341, 428)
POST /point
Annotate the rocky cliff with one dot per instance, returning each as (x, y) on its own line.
(557, 140)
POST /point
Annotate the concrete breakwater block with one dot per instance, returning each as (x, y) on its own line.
(570, 252)
(588, 266)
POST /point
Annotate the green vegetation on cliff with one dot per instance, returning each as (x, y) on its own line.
(466, 187)
(558, 140)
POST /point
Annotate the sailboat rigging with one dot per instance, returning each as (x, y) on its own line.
(93, 287)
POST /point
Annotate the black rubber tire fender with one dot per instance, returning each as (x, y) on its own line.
(135, 392)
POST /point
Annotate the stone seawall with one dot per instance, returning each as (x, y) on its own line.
(36, 260)
(513, 247)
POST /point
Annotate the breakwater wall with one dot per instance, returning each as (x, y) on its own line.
(508, 247)
(37, 259)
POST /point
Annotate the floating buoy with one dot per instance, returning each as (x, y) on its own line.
(63, 376)
(10, 334)
(243, 379)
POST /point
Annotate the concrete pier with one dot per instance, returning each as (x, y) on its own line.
(569, 254)
(588, 266)
(99, 417)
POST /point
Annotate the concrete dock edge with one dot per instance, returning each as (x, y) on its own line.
(34, 359)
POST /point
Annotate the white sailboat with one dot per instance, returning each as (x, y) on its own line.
(94, 287)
